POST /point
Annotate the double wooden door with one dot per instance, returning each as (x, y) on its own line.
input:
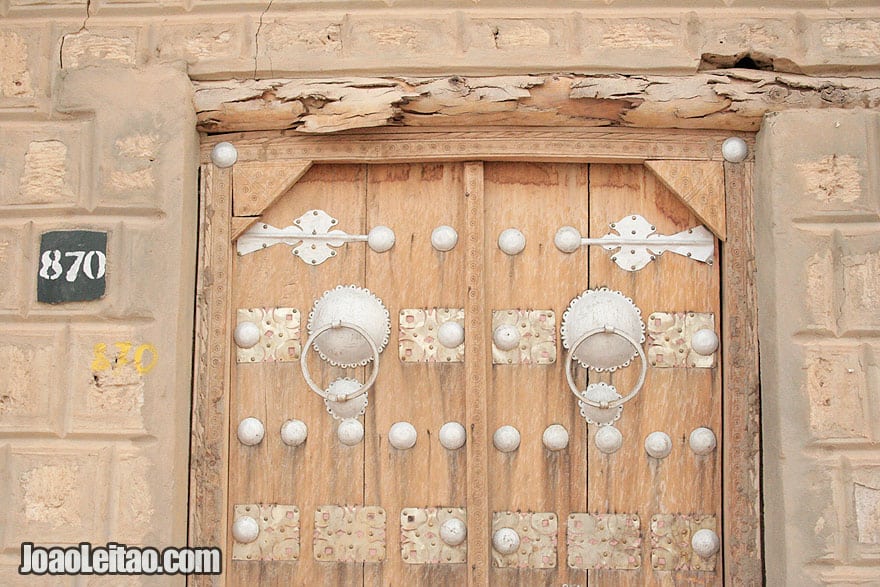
(350, 515)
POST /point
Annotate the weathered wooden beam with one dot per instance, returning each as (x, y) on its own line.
(733, 99)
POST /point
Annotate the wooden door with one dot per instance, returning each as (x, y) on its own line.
(370, 513)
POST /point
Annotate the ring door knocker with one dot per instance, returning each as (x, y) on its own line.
(348, 327)
(603, 330)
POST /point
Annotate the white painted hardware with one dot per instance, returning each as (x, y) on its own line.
(734, 150)
(603, 394)
(658, 445)
(420, 334)
(608, 439)
(251, 431)
(511, 241)
(346, 408)
(224, 154)
(450, 334)
(350, 432)
(506, 439)
(344, 346)
(505, 540)
(402, 435)
(705, 543)
(444, 238)
(452, 436)
(702, 441)
(594, 310)
(506, 337)
(246, 334)
(583, 396)
(453, 531)
(704, 342)
(245, 529)
(555, 437)
(294, 432)
(345, 394)
(311, 237)
(639, 245)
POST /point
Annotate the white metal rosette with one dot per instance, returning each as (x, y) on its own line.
(349, 304)
(599, 309)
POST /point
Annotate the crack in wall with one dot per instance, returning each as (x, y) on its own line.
(257, 38)
(82, 28)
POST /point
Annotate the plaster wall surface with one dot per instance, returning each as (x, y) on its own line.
(97, 131)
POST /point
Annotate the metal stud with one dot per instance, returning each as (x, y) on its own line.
(402, 435)
(350, 432)
(251, 431)
(702, 441)
(704, 342)
(506, 439)
(247, 334)
(555, 437)
(453, 531)
(734, 150)
(506, 337)
(245, 529)
(224, 154)
(380, 239)
(505, 540)
(658, 445)
(450, 334)
(452, 436)
(511, 241)
(705, 543)
(608, 439)
(444, 238)
(294, 432)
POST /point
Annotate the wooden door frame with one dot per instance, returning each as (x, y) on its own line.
(741, 458)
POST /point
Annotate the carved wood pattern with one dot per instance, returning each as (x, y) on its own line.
(742, 406)
(700, 185)
(476, 377)
(239, 225)
(256, 184)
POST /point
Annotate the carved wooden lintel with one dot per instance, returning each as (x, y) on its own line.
(730, 99)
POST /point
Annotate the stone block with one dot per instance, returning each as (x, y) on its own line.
(56, 495)
(284, 42)
(104, 47)
(32, 386)
(399, 38)
(44, 163)
(135, 507)
(12, 274)
(861, 509)
(20, 65)
(860, 268)
(636, 43)
(198, 42)
(837, 391)
(844, 40)
(9, 576)
(503, 35)
(774, 37)
(820, 295)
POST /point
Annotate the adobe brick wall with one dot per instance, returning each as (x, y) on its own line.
(97, 130)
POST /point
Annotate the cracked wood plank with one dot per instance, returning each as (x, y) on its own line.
(730, 99)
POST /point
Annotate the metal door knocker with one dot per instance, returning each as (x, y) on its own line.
(603, 330)
(348, 327)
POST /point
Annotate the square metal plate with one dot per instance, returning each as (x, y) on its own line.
(604, 541)
(418, 335)
(671, 542)
(279, 335)
(669, 339)
(279, 533)
(537, 535)
(420, 541)
(349, 534)
(537, 332)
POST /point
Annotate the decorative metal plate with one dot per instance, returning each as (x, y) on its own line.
(349, 534)
(279, 533)
(600, 392)
(671, 542)
(418, 335)
(639, 245)
(604, 541)
(279, 335)
(420, 542)
(352, 408)
(537, 337)
(537, 534)
(669, 339)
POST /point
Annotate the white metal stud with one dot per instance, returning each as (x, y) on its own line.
(251, 431)
(444, 238)
(453, 531)
(380, 239)
(555, 437)
(452, 436)
(505, 540)
(702, 441)
(247, 334)
(402, 435)
(658, 445)
(450, 334)
(245, 529)
(705, 543)
(506, 439)
(506, 337)
(511, 241)
(734, 150)
(224, 154)
(294, 432)
(608, 439)
(350, 432)
(704, 342)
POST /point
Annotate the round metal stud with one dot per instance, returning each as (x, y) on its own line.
(402, 435)
(224, 154)
(294, 432)
(506, 337)
(350, 432)
(567, 239)
(444, 238)
(608, 439)
(245, 530)
(346, 408)
(450, 334)
(603, 394)
(453, 531)
(658, 445)
(506, 439)
(251, 431)
(452, 436)
(734, 149)
(705, 543)
(612, 312)
(704, 342)
(380, 239)
(345, 347)
(702, 441)
(505, 540)
(555, 437)
(511, 241)
(247, 334)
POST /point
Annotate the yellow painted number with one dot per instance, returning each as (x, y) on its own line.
(101, 362)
